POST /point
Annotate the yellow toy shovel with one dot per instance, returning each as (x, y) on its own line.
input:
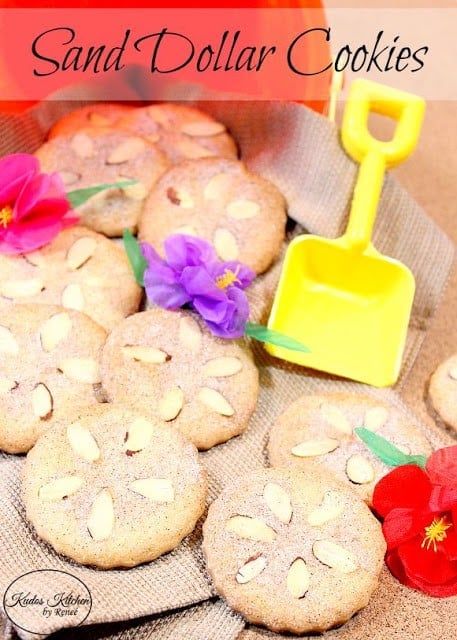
(341, 298)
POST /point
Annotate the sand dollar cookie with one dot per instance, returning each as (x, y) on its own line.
(442, 392)
(321, 428)
(240, 213)
(79, 270)
(204, 386)
(113, 488)
(99, 114)
(49, 361)
(181, 132)
(293, 551)
(98, 156)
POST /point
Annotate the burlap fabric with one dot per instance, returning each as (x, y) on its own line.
(300, 152)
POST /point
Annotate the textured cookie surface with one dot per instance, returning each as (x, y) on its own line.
(49, 362)
(99, 114)
(204, 386)
(96, 156)
(292, 550)
(321, 428)
(79, 270)
(442, 391)
(181, 132)
(113, 488)
(240, 213)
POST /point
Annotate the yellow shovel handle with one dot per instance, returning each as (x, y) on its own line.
(375, 155)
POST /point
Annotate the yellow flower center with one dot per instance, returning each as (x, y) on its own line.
(436, 532)
(6, 215)
(228, 278)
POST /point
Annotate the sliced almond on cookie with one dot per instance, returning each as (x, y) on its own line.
(222, 367)
(226, 245)
(242, 209)
(332, 506)
(7, 385)
(80, 252)
(452, 373)
(202, 128)
(72, 297)
(138, 436)
(157, 489)
(251, 570)
(101, 517)
(69, 177)
(217, 186)
(150, 355)
(359, 469)
(135, 191)
(298, 578)
(190, 335)
(83, 442)
(14, 289)
(187, 230)
(80, 369)
(82, 145)
(375, 418)
(8, 343)
(335, 556)
(42, 401)
(215, 401)
(180, 197)
(250, 529)
(318, 447)
(171, 404)
(278, 501)
(54, 330)
(336, 418)
(59, 489)
(125, 151)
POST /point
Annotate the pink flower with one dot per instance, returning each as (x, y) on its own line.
(33, 205)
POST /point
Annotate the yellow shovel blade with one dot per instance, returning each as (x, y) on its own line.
(350, 309)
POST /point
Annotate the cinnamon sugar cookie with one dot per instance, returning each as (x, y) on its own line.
(179, 372)
(321, 428)
(292, 550)
(48, 362)
(442, 391)
(98, 156)
(98, 114)
(79, 270)
(113, 488)
(240, 213)
(181, 132)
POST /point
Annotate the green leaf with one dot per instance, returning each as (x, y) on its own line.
(80, 196)
(387, 452)
(263, 334)
(134, 254)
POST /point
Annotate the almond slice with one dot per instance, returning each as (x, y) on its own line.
(151, 355)
(69, 177)
(215, 401)
(250, 529)
(82, 145)
(242, 209)
(218, 186)
(72, 297)
(59, 489)
(80, 369)
(42, 401)
(171, 404)
(298, 579)
(310, 448)
(359, 469)
(187, 230)
(375, 418)
(101, 517)
(336, 418)
(7, 385)
(452, 373)
(190, 335)
(159, 116)
(138, 436)
(135, 191)
(80, 252)
(14, 289)
(278, 501)
(8, 343)
(251, 570)
(83, 442)
(192, 150)
(226, 245)
(335, 556)
(127, 150)
(54, 330)
(202, 128)
(222, 367)
(157, 489)
(35, 258)
(180, 197)
(331, 507)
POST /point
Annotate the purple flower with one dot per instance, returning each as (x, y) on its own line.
(192, 274)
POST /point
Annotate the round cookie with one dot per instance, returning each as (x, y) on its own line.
(442, 392)
(179, 372)
(99, 114)
(79, 269)
(292, 550)
(240, 213)
(181, 132)
(113, 488)
(98, 156)
(320, 428)
(49, 362)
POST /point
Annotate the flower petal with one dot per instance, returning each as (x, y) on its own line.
(244, 275)
(187, 251)
(401, 525)
(406, 486)
(426, 567)
(15, 170)
(441, 466)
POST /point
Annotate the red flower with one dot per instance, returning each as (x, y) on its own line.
(33, 205)
(420, 523)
